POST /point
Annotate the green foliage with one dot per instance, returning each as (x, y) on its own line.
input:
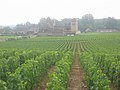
(23, 63)
(110, 65)
(97, 80)
(59, 79)
(86, 22)
(3, 85)
(32, 71)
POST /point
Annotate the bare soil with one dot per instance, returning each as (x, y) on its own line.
(43, 84)
(77, 77)
(112, 87)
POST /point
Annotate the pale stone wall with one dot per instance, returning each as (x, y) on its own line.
(2, 39)
(74, 26)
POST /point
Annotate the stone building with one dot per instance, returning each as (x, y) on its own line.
(74, 25)
(74, 28)
(50, 28)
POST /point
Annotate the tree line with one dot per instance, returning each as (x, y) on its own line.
(86, 22)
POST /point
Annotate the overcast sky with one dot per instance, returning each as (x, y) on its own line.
(20, 11)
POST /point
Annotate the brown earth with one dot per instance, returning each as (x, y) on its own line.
(112, 87)
(77, 77)
(43, 84)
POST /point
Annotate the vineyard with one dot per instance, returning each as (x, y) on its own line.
(84, 62)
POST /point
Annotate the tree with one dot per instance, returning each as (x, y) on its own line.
(7, 28)
(87, 21)
(111, 23)
(42, 24)
(99, 24)
(66, 23)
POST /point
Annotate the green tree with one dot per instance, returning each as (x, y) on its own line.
(87, 21)
(66, 22)
(111, 23)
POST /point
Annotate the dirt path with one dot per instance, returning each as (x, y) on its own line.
(112, 87)
(77, 78)
(43, 84)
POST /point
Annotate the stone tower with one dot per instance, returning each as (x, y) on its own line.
(74, 26)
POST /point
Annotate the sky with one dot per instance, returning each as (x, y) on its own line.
(14, 12)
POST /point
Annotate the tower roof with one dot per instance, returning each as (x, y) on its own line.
(74, 20)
